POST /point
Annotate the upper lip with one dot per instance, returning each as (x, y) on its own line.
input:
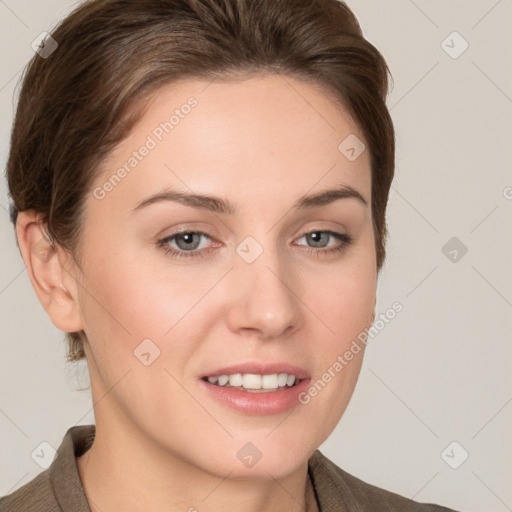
(260, 368)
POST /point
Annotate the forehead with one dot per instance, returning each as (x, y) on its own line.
(243, 138)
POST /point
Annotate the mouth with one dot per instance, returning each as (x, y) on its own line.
(255, 383)
(257, 388)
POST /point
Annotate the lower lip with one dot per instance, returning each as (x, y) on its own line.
(259, 404)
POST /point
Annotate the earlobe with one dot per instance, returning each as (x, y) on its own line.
(372, 317)
(45, 262)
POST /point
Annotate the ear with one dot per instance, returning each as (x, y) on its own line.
(373, 314)
(50, 271)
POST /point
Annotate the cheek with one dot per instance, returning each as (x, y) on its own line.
(345, 310)
(350, 302)
(343, 295)
(132, 309)
(130, 295)
(344, 305)
(130, 300)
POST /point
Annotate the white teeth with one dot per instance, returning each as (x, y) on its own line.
(236, 380)
(269, 381)
(251, 381)
(290, 380)
(282, 379)
(223, 379)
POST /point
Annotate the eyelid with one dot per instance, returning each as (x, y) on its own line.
(185, 227)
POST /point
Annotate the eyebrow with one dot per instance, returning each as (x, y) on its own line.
(224, 206)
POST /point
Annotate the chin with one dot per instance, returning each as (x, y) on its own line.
(247, 456)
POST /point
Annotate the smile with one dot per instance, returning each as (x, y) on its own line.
(255, 383)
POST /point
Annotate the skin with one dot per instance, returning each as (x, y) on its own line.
(162, 443)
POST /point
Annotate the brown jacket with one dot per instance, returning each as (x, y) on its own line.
(59, 489)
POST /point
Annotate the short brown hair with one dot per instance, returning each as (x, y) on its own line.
(80, 101)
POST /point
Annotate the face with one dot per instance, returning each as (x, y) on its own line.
(253, 278)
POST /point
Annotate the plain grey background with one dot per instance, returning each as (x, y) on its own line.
(435, 385)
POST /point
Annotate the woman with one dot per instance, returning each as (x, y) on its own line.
(199, 191)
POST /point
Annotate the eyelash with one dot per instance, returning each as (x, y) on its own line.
(344, 238)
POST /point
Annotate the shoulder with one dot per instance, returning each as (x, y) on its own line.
(59, 487)
(338, 490)
(35, 495)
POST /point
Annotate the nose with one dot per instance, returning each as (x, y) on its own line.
(265, 299)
